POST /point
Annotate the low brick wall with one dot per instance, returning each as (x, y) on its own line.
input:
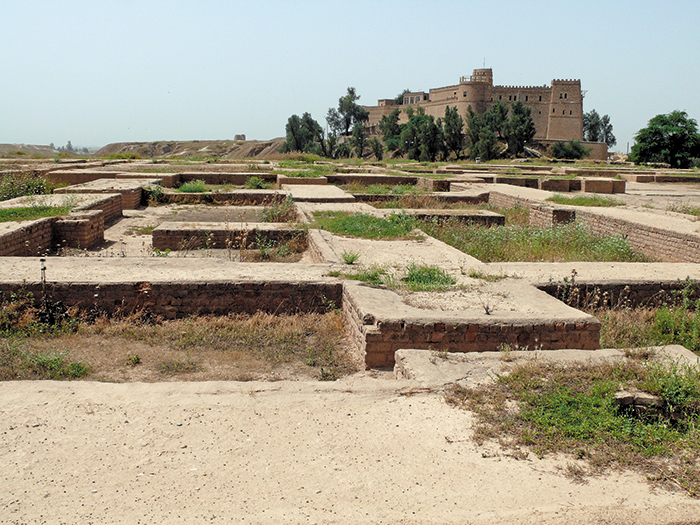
(181, 236)
(31, 238)
(602, 185)
(111, 205)
(182, 299)
(627, 294)
(447, 197)
(365, 178)
(386, 338)
(237, 179)
(42, 236)
(131, 197)
(658, 243)
(233, 198)
(80, 229)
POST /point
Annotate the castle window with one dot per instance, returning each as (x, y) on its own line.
(571, 112)
(510, 97)
(499, 97)
(553, 110)
(539, 113)
(526, 98)
(563, 112)
(465, 94)
(561, 95)
(540, 98)
(566, 95)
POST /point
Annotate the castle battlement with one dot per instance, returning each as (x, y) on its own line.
(556, 109)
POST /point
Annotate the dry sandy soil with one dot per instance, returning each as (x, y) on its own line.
(359, 450)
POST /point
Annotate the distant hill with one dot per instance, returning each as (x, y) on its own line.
(230, 149)
(19, 150)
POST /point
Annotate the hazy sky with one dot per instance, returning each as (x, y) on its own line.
(96, 72)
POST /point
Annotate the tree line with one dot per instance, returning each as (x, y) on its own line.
(503, 130)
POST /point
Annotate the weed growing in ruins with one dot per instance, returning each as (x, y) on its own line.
(585, 200)
(685, 209)
(489, 277)
(256, 183)
(284, 211)
(571, 409)
(366, 226)
(19, 184)
(421, 277)
(375, 275)
(194, 186)
(350, 257)
(563, 242)
(383, 189)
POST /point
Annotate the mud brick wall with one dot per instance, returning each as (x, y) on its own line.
(131, 197)
(357, 328)
(111, 205)
(183, 299)
(433, 184)
(166, 239)
(366, 178)
(542, 216)
(261, 198)
(237, 179)
(382, 342)
(627, 294)
(32, 239)
(658, 243)
(79, 229)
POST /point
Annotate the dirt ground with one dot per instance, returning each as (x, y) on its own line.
(360, 450)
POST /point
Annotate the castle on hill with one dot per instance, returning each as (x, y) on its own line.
(557, 109)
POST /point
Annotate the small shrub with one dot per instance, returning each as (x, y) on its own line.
(572, 149)
(18, 184)
(350, 257)
(284, 211)
(194, 186)
(256, 183)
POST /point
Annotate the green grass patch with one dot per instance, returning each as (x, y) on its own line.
(560, 243)
(570, 409)
(585, 200)
(421, 277)
(194, 186)
(284, 211)
(366, 226)
(32, 212)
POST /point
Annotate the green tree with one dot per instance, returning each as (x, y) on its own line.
(496, 118)
(591, 126)
(303, 133)
(359, 139)
(487, 145)
(606, 131)
(391, 131)
(572, 149)
(672, 139)
(377, 148)
(399, 98)
(349, 111)
(452, 127)
(519, 129)
(597, 128)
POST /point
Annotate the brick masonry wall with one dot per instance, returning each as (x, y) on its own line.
(79, 229)
(111, 205)
(182, 299)
(33, 238)
(387, 337)
(221, 239)
(658, 243)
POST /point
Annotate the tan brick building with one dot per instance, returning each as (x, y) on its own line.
(557, 109)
